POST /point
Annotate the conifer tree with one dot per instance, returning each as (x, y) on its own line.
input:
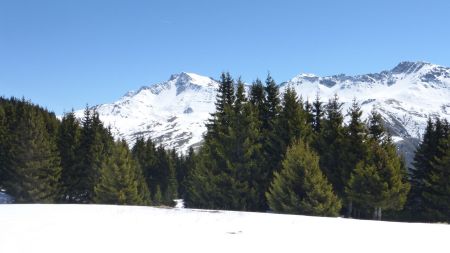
(300, 187)
(376, 127)
(318, 113)
(120, 181)
(421, 167)
(435, 186)
(145, 154)
(330, 143)
(246, 153)
(33, 165)
(257, 97)
(309, 114)
(68, 144)
(272, 143)
(3, 140)
(183, 173)
(95, 147)
(379, 182)
(356, 148)
(293, 123)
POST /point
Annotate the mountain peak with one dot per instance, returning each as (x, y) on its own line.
(189, 76)
(408, 67)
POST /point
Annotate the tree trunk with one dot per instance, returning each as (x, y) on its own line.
(349, 209)
(379, 213)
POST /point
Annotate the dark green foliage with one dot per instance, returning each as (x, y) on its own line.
(257, 97)
(32, 164)
(95, 148)
(300, 187)
(293, 123)
(3, 141)
(376, 127)
(159, 167)
(330, 143)
(121, 181)
(380, 181)
(355, 147)
(429, 198)
(68, 144)
(184, 165)
(228, 170)
(318, 113)
(436, 189)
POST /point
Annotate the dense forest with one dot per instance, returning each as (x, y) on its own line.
(262, 151)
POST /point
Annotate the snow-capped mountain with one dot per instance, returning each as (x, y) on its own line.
(174, 112)
(405, 96)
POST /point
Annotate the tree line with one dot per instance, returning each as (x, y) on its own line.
(277, 152)
(46, 160)
(262, 151)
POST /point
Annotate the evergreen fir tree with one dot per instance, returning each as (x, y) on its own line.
(120, 181)
(330, 143)
(318, 113)
(356, 147)
(422, 164)
(95, 147)
(300, 187)
(376, 127)
(379, 182)
(3, 140)
(184, 171)
(68, 144)
(435, 186)
(257, 97)
(293, 123)
(272, 143)
(33, 166)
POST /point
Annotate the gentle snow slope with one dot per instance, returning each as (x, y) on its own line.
(97, 228)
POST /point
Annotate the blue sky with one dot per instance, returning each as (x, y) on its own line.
(65, 54)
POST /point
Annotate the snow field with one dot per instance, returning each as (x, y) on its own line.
(104, 228)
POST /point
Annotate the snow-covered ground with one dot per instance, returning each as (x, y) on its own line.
(103, 228)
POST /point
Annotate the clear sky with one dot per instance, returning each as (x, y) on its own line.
(64, 54)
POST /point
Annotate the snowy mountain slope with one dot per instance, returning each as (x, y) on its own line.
(103, 228)
(174, 112)
(405, 96)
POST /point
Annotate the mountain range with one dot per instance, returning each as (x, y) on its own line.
(174, 112)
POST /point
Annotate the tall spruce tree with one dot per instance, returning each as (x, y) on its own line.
(300, 187)
(121, 181)
(3, 139)
(318, 113)
(421, 167)
(273, 147)
(293, 123)
(330, 143)
(33, 166)
(68, 143)
(379, 183)
(247, 154)
(356, 148)
(144, 151)
(95, 147)
(435, 185)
